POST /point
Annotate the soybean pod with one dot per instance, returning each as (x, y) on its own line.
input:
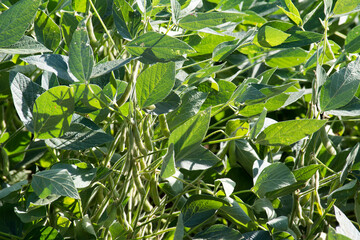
(327, 142)
(164, 126)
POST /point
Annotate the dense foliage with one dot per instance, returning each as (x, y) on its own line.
(179, 119)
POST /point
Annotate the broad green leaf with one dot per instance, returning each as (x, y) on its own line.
(80, 5)
(207, 43)
(204, 74)
(224, 49)
(43, 233)
(82, 134)
(349, 163)
(243, 154)
(228, 185)
(343, 193)
(82, 177)
(266, 75)
(15, 21)
(112, 93)
(288, 132)
(30, 215)
(156, 47)
(270, 37)
(287, 190)
(292, 12)
(168, 166)
(340, 88)
(199, 208)
(332, 235)
(26, 45)
(85, 100)
(352, 109)
(263, 235)
(189, 154)
(345, 227)
(24, 93)
(13, 188)
(107, 67)
(203, 20)
(68, 24)
(287, 58)
(191, 133)
(168, 104)
(218, 231)
(305, 173)
(214, 97)
(46, 30)
(280, 223)
(81, 59)
(259, 124)
(235, 211)
(273, 177)
(344, 6)
(54, 181)
(155, 83)
(52, 112)
(127, 21)
(55, 63)
(191, 104)
(196, 158)
(300, 38)
(352, 41)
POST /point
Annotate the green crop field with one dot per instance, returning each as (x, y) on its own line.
(179, 119)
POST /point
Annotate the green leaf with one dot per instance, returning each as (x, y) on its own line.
(80, 5)
(215, 97)
(345, 225)
(68, 24)
(179, 232)
(280, 223)
(168, 104)
(305, 173)
(271, 178)
(218, 231)
(288, 132)
(155, 83)
(81, 59)
(13, 188)
(168, 167)
(82, 134)
(270, 37)
(259, 124)
(341, 87)
(46, 30)
(199, 208)
(224, 49)
(332, 235)
(203, 20)
(15, 21)
(30, 215)
(293, 12)
(187, 138)
(175, 10)
(54, 181)
(26, 45)
(228, 185)
(107, 67)
(43, 233)
(300, 38)
(352, 41)
(24, 93)
(344, 6)
(156, 47)
(287, 58)
(350, 159)
(52, 112)
(55, 63)
(243, 154)
(235, 212)
(85, 100)
(352, 109)
(127, 21)
(82, 177)
(190, 105)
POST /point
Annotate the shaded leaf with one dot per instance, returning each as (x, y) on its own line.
(52, 112)
(218, 231)
(46, 30)
(156, 47)
(26, 45)
(15, 21)
(288, 132)
(211, 19)
(54, 181)
(287, 58)
(155, 83)
(107, 67)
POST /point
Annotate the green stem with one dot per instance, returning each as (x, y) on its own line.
(223, 140)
